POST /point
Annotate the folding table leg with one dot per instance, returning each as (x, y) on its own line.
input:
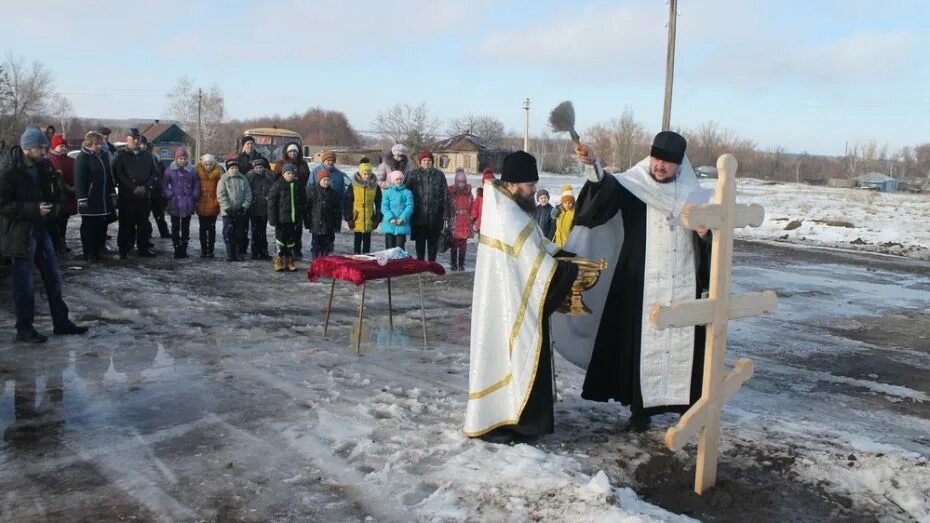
(329, 307)
(422, 309)
(361, 308)
(390, 306)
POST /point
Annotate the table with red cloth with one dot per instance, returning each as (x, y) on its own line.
(362, 269)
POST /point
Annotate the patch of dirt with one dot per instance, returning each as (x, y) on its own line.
(793, 224)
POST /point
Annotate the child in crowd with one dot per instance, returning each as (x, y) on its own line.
(396, 211)
(260, 180)
(285, 211)
(208, 207)
(564, 216)
(181, 190)
(479, 199)
(324, 215)
(460, 219)
(543, 214)
(362, 204)
(235, 196)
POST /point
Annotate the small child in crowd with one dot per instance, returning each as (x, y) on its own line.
(285, 210)
(543, 214)
(396, 211)
(564, 216)
(362, 204)
(324, 215)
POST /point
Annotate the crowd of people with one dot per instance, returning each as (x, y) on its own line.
(130, 187)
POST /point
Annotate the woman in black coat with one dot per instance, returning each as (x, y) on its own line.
(95, 195)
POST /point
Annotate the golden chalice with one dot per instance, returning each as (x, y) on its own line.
(588, 273)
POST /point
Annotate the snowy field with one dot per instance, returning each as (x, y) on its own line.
(205, 391)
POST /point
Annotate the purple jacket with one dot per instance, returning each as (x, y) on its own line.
(181, 188)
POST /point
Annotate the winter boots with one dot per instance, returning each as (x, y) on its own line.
(278, 264)
(462, 259)
(180, 250)
(291, 264)
(457, 259)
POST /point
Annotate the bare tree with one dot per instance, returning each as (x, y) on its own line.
(63, 111)
(488, 128)
(406, 124)
(628, 135)
(29, 88)
(183, 102)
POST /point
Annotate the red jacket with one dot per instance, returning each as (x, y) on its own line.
(61, 162)
(476, 208)
(461, 211)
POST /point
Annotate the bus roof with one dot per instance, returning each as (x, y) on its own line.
(270, 131)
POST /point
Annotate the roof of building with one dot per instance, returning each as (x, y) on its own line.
(464, 142)
(875, 178)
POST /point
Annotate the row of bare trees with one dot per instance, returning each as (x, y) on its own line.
(28, 96)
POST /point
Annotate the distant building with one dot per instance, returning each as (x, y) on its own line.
(345, 155)
(878, 181)
(844, 183)
(468, 152)
(165, 138)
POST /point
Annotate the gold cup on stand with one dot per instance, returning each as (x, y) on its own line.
(588, 273)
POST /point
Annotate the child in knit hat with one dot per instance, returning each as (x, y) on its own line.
(543, 213)
(324, 215)
(285, 209)
(460, 219)
(396, 211)
(564, 216)
(362, 206)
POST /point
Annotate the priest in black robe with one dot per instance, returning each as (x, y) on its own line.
(655, 261)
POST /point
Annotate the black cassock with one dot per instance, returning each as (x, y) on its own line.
(537, 418)
(614, 369)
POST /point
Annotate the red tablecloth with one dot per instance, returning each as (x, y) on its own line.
(360, 271)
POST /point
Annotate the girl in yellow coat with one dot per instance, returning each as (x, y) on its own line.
(564, 216)
(361, 204)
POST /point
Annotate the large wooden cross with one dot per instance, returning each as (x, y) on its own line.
(722, 215)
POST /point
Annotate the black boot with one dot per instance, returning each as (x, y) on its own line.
(30, 336)
(69, 328)
(462, 260)
(177, 250)
(184, 249)
(231, 252)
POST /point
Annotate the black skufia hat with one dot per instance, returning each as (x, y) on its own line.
(669, 146)
(519, 167)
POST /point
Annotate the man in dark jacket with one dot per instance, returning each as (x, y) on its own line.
(158, 198)
(247, 154)
(430, 205)
(136, 176)
(25, 211)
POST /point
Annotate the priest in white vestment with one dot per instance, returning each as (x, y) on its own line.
(518, 284)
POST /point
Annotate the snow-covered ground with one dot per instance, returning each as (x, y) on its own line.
(206, 391)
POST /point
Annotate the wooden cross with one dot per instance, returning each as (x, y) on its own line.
(722, 215)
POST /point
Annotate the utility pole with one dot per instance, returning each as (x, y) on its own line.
(526, 125)
(199, 149)
(669, 64)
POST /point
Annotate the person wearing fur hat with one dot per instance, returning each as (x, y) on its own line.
(460, 203)
(63, 166)
(324, 213)
(235, 196)
(486, 176)
(260, 179)
(543, 214)
(136, 177)
(361, 207)
(26, 209)
(430, 206)
(564, 216)
(337, 179)
(208, 206)
(286, 202)
(182, 190)
(294, 156)
(396, 160)
(396, 211)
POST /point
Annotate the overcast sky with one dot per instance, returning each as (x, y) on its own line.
(805, 75)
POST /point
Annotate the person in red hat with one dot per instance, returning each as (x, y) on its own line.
(479, 199)
(430, 206)
(63, 165)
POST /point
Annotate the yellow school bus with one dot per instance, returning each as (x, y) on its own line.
(270, 142)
